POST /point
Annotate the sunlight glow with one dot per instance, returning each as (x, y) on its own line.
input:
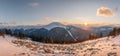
(85, 24)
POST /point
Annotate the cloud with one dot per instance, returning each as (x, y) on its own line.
(8, 23)
(13, 22)
(39, 24)
(3, 23)
(105, 11)
(34, 4)
(51, 19)
(46, 19)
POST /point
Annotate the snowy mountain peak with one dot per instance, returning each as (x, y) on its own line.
(53, 25)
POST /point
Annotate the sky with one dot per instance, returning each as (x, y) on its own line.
(37, 12)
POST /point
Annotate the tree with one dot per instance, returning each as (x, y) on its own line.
(92, 36)
(114, 32)
(2, 34)
(101, 34)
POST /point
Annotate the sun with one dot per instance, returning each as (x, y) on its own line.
(85, 23)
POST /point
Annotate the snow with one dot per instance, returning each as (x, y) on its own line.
(57, 24)
(53, 25)
(71, 35)
(7, 48)
(105, 46)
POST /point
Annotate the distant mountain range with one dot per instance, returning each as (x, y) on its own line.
(58, 32)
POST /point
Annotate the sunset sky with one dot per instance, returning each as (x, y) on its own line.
(32, 12)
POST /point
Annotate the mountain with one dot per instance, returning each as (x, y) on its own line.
(102, 29)
(39, 34)
(59, 35)
(58, 32)
(65, 33)
(53, 25)
(79, 33)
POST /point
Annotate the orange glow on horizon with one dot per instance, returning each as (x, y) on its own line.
(85, 23)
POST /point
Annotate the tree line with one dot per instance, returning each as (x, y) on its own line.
(114, 32)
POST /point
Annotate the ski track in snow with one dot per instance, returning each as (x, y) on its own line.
(71, 35)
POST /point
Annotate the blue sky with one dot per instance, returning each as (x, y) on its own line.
(32, 12)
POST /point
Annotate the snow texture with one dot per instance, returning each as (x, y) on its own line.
(10, 46)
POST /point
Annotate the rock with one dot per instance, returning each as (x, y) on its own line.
(112, 54)
(48, 51)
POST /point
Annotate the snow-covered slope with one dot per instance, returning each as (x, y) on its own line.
(7, 48)
(99, 47)
(53, 25)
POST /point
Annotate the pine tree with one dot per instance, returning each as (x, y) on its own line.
(101, 34)
(92, 36)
